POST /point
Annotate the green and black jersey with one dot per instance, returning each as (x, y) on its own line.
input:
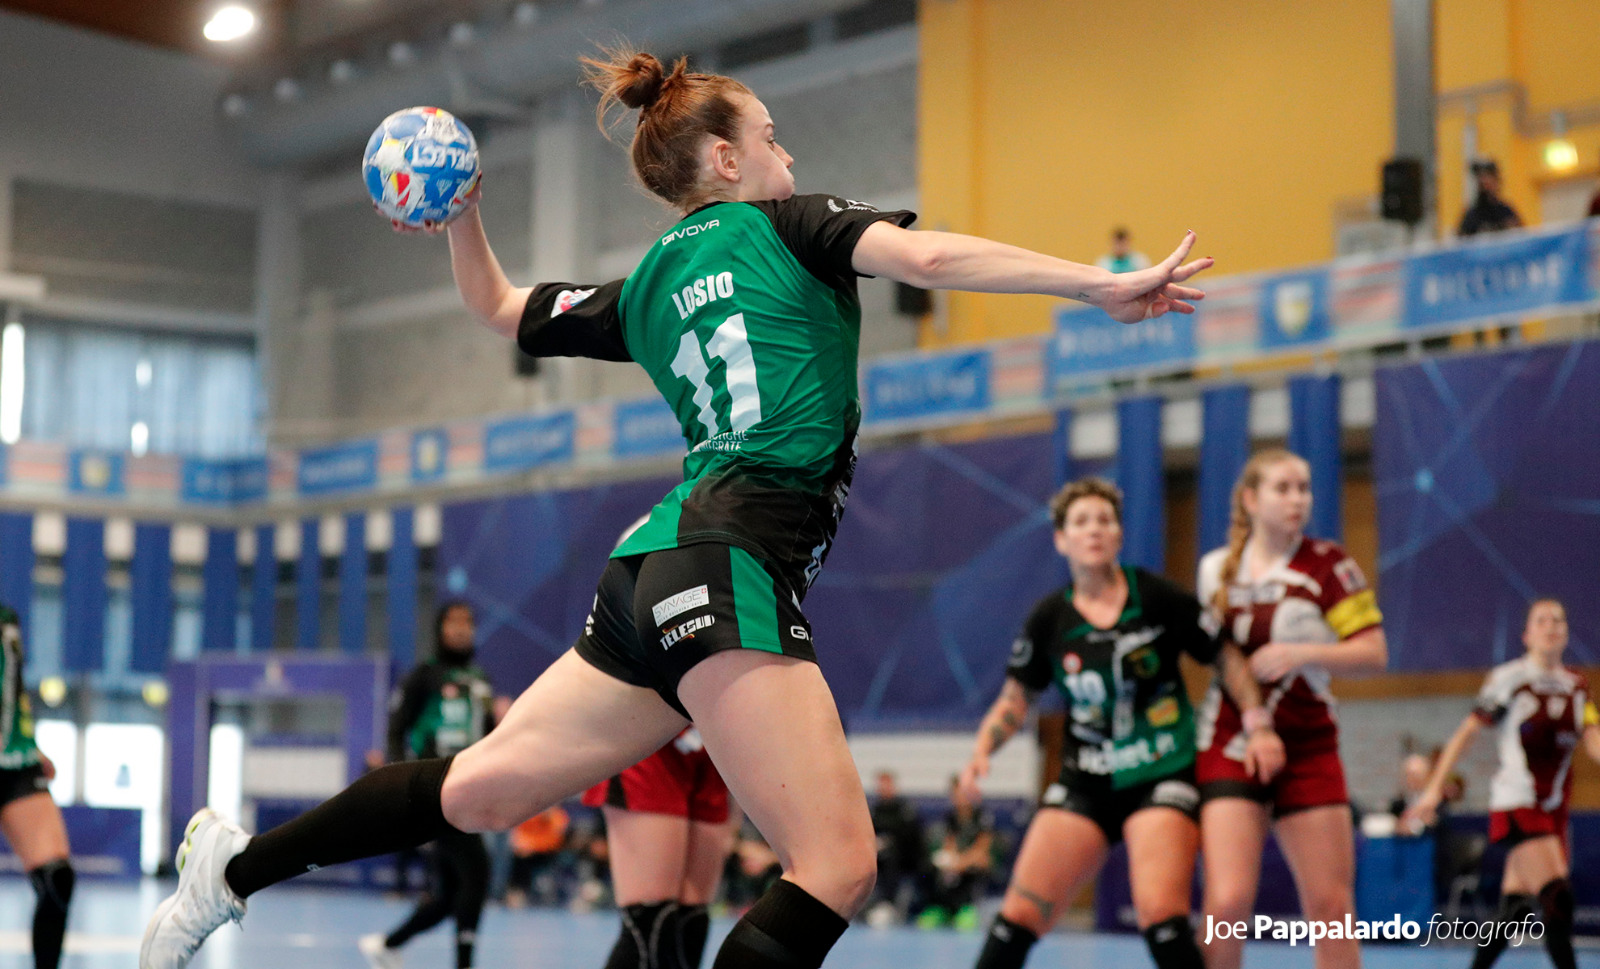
(439, 709)
(745, 316)
(1128, 714)
(17, 747)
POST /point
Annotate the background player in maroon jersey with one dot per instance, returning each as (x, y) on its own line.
(669, 831)
(1542, 710)
(1300, 610)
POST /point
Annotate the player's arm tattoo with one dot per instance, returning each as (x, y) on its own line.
(1006, 717)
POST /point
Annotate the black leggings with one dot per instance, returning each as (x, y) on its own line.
(460, 883)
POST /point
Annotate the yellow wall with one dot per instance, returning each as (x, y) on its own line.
(1046, 122)
(1548, 49)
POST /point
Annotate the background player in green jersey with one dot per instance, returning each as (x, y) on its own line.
(441, 708)
(1110, 642)
(746, 317)
(29, 819)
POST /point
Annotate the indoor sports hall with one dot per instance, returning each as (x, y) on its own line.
(784, 483)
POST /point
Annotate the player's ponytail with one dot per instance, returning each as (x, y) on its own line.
(1239, 518)
(678, 110)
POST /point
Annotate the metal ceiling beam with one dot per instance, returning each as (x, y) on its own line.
(513, 65)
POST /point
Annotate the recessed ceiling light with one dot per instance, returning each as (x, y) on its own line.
(230, 23)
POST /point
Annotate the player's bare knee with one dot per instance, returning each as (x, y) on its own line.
(1229, 902)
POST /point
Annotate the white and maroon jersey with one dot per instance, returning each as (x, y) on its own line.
(1316, 594)
(1539, 715)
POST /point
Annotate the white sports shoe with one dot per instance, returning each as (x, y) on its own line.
(379, 956)
(203, 901)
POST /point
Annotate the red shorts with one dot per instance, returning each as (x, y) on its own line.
(669, 781)
(1309, 779)
(1513, 827)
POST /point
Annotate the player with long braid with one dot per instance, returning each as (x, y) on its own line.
(746, 317)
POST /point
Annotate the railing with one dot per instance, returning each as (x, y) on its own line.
(1347, 304)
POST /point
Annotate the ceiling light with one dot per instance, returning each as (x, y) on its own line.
(235, 105)
(400, 53)
(341, 71)
(230, 23)
(287, 89)
(525, 15)
(1560, 155)
(461, 34)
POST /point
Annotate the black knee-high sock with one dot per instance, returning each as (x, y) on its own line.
(1555, 898)
(388, 809)
(1513, 908)
(690, 926)
(785, 929)
(1007, 946)
(430, 911)
(52, 883)
(1172, 944)
(643, 929)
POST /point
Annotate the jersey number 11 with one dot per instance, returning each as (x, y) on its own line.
(731, 344)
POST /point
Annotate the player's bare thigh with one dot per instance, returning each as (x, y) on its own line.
(1532, 864)
(709, 846)
(648, 855)
(1061, 852)
(574, 727)
(33, 827)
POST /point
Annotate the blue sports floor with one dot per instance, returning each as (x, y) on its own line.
(316, 928)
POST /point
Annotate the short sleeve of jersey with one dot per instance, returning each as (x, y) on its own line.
(822, 232)
(1030, 653)
(1348, 603)
(1180, 613)
(573, 320)
(1495, 697)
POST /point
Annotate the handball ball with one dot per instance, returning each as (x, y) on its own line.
(420, 166)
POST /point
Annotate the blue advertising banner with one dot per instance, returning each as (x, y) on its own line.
(430, 455)
(645, 427)
(97, 473)
(1087, 341)
(929, 386)
(1294, 310)
(523, 443)
(223, 482)
(341, 467)
(1497, 278)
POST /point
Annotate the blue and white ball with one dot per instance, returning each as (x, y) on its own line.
(420, 166)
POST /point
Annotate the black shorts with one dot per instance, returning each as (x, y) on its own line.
(656, 616)
(1093, 797)
(18, 784)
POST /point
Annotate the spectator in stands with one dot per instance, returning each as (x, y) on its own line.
(1122, 258)
(536, 845)
(962, 864)
(902, 852)
(1490, 213)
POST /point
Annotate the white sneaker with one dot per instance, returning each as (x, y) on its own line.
(203, 901)
(379, 956)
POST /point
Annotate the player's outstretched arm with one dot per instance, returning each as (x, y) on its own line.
(1005, 717)
(484, 287)
(948, 260)
(1426, 808)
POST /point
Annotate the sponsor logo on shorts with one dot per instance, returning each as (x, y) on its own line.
(680, 603)
(800, 632)
(1176, 794)
(687, 630)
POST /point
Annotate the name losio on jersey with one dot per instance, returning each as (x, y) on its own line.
(707, 289)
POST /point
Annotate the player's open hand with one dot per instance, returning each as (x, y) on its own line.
(1273, 662)
(1149, 293)
(976, 770)
(1422, 812)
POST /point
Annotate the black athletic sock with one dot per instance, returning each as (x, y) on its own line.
(785, 929)
(52, 883)
(1007, 946)
(1555, 899)
(643, 930)
(466, 940)
(1513, 908)
(690, 926)
(388, 809)
(433, 909)
(1172, 944)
